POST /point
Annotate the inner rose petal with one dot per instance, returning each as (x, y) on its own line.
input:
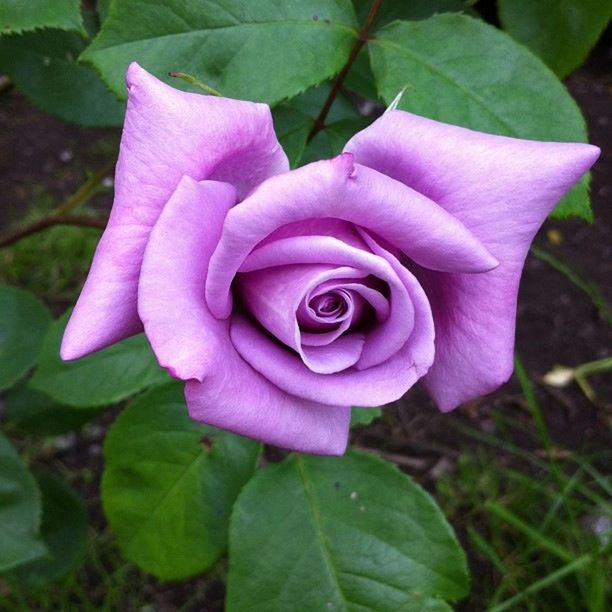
(394, 314)
(274, 296)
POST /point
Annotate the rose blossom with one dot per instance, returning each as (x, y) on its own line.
(285, 297)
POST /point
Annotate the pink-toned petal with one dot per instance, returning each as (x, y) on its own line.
(167, 134)
(245, 403)
(339, 189)
(331, 358)
(388, 336)
(191, 343)
(500, 188)
(171, 301)
(372, 386)
(273, 296)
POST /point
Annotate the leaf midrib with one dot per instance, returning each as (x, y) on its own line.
(99, 46)
(318, 527)
(195, 461)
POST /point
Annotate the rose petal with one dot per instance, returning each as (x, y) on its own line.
(273, 296)
(190, 342)
(255, 408)
(341, 190)
(167, 134)
(387, 336)
(373, 386)
(171, 301)
(500, 188)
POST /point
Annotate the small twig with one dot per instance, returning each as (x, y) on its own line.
(88, 189)
(207, 89)
(362, 38)
(41, 224)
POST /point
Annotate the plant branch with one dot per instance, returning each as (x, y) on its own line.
(41, 224)
(362, 38)
(59, 215)
(88, 189)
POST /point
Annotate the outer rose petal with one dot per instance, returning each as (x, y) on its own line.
(339, 189)
(167, 134)
(192, 344)
(500, 188)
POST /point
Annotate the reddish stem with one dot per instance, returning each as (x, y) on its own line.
(362, 39)
(41, 224)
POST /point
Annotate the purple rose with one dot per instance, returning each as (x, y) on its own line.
(285, 297)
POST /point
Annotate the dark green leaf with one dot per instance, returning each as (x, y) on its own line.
(24, 320)
(330, 141)
(19, 511)
(294, 119)
(170, 483)
(23, 15)
(32, 412)
(463, 71)
(102, 7)
(364, 416)
(43, 66)
(561, 32)
(104, 378)
(360, 78)
(351, 533)
(63, 529)
(265, 50)
(392, 10)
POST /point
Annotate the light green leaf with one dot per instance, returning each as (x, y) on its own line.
(19, 511)
(104, 378)
(24, 320)
(43, 65)
(32, 412)
(364, 416)
(463, 71)
(351, 533)
(169, 484)
(561, 32)
(264, 51)
(64, 531)
(23, 15)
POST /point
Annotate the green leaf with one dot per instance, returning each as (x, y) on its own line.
(360, 78)
(264, 51)
(24, 320)
(32, 412)
(102, 6)
(294, 119)
(169, 484)
(364, 416)
(409, 11)
(19, 511)
(104, 378)
(23, 15)
(43, 65)
(64, 531)
(561, 32)
(340, 534)
(463, 71)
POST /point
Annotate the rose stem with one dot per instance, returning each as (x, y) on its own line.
(59, 217)
(44, 223)
(362, 38)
